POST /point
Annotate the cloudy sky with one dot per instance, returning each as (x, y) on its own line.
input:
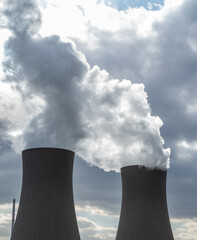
(114, 81)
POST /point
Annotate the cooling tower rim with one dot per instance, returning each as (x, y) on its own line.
(142, 167)
(47, 149)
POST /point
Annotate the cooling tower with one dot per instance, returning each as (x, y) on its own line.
(46, 209)
(144, 212)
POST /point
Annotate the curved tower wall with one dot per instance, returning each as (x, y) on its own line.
(46, 209)
(144, 212)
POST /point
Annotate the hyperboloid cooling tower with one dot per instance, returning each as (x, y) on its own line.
(144, 212)
(46, 209)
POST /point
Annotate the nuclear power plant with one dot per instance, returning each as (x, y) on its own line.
(144, 212)
(46, 209)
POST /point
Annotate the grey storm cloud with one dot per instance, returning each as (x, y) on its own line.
(106, 121)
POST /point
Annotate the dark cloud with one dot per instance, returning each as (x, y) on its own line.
(24, 16)
(132, 50)
(91, 187)
(10, 175)
(182, 188)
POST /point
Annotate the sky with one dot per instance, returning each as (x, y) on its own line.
(113, 81)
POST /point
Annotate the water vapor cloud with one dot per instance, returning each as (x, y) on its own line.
(106, 121)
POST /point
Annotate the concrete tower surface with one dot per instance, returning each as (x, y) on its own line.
(46, 209)
(144, 212)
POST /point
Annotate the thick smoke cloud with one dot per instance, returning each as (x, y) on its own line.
(52, 70)
(107, 121)
(120, 128)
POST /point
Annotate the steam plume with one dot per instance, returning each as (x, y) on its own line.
(106, 121)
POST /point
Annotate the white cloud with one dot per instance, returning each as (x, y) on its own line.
(186, 150)
(94, 210)
(5, 218)
(90, 230)
(184, 229)
(172, 4)
(89, 16)
(5, 221)
(188, 145)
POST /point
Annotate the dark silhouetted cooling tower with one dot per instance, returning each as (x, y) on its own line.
(46, 209)
(144, 212)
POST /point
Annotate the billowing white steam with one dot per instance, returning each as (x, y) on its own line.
(119, 127)
(107, 122)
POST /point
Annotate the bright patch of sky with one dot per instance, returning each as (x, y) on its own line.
(124, 4)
